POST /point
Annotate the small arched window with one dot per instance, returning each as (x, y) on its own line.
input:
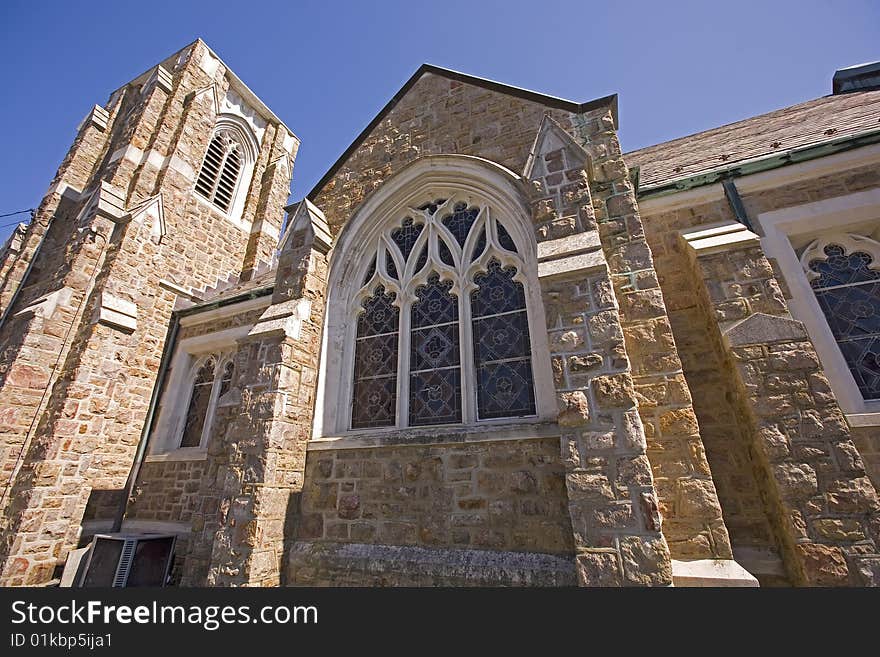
(442, 332)
(844, 272)
(208, 385)
(227, 167)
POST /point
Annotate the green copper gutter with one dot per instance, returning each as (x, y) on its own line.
(792, 156)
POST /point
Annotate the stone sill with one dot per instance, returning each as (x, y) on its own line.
(182, 454)
(429, 436)
(857, 420)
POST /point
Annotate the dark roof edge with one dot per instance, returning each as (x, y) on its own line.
(760, 164)
(525, 94)
(228, 301)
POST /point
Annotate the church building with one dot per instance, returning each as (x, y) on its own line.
(487, 349)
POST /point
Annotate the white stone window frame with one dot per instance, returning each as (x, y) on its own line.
(189, 355)
(241, 132)
(458, 178)
(822, 220)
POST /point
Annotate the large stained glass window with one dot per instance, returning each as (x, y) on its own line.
(847, 287)
(442, 285)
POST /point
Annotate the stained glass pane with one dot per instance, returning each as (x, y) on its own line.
(198, 405)
(434, 347)
(848, 292)
(379, 315)
(435, 304)
(435, 375)
(497, 291)
(390, 267)
(226, 381)
(505, 386)
(504, 239)
(405, 237)
(432, 207)
(376, 356)
(445, 253)
(375, 370)
(842, 269)
(435, 397)
(375, 403)
(460, 221)
(505, 390)
(502, 336)
(480, 245)
(863, 357)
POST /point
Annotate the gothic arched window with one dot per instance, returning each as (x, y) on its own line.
(844, 273)
(442, 331)
(208, 385)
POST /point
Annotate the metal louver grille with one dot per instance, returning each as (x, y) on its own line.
(220, 171)
(124, 566)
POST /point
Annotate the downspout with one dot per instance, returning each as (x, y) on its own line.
(170, 340)
(734, 200)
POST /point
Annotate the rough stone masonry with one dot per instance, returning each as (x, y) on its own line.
(692, 435)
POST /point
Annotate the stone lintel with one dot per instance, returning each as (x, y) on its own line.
(761, 328)
(419, 566)
(711, 572)
(727, 236)
(568, 246)
(583, 263)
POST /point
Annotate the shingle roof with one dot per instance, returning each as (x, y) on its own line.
(806, 124)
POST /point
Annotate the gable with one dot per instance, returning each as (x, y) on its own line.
(443, 112)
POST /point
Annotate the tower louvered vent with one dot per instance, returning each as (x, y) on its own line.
(220, 171)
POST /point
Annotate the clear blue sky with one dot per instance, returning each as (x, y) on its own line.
(327, 67)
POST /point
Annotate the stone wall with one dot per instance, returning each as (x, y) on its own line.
(489, 495)
(826, 509)
(76, 391)
(611, 498)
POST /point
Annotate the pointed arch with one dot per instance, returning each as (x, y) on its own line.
(432, 229)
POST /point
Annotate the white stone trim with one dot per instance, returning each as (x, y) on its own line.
(188, 357)
(486, 431)
(711, 573)
(458, 178)
(829, 216)
(179, 454)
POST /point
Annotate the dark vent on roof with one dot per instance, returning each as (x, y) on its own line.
(863, 77)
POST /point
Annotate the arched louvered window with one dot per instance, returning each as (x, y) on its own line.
(442, 333)
(844, 272)
(208, 385)
(221, 171)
